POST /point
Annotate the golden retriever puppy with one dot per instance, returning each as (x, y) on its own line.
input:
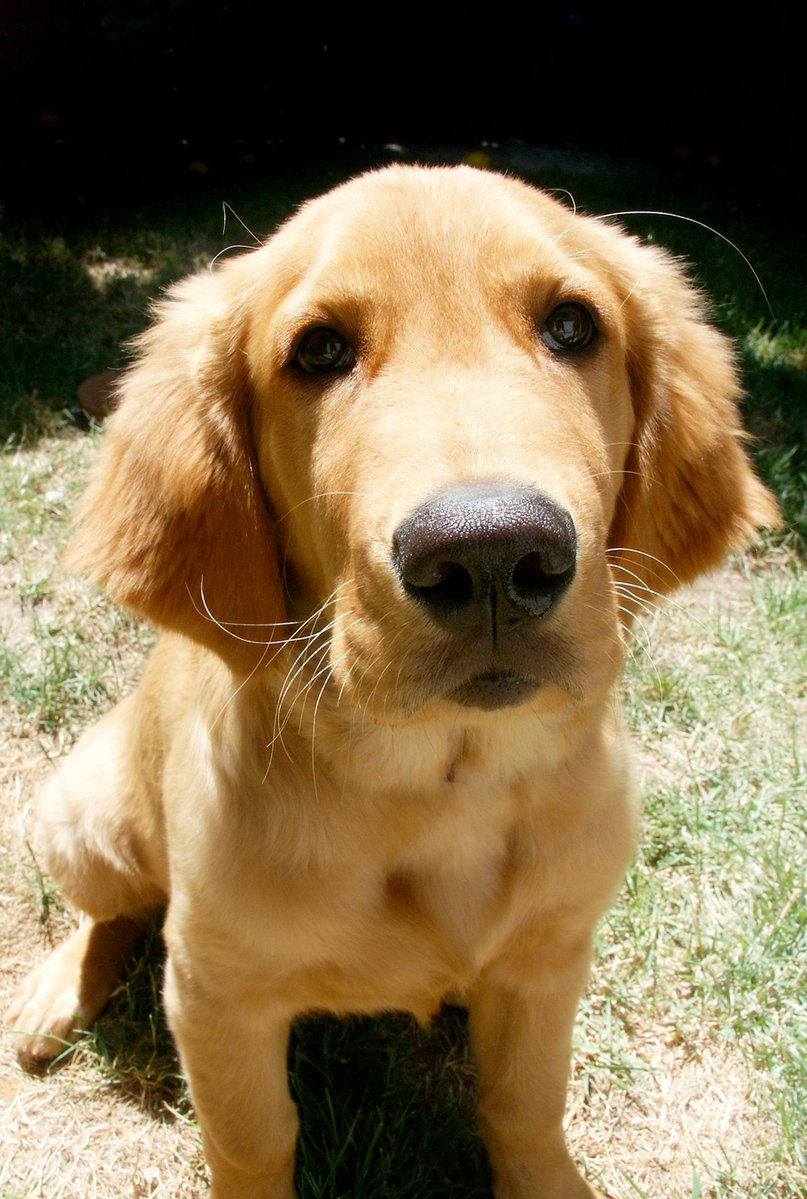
(393, 484)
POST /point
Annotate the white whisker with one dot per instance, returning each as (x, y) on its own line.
(257, 667)
(691, 220)
(626, 549)
(228, 208)
(301, 662)
(305, 658)
(320, 495)
(633, 639)
(227, 630)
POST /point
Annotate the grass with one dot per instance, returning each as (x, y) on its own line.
(54, 670)
(708, 940)
(689, 1076)
(405, 1127)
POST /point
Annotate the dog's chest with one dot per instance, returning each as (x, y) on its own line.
(447, 869)
(421, 928)
(390, 890)
(452, 881)
(456, 880)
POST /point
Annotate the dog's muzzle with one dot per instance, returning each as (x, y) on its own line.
(486, 562)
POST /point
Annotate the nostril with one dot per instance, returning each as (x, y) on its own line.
(540, 572)
(440, 584)
(537, 580)
(529, 573)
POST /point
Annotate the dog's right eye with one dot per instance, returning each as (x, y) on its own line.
(321, 350)
(569, 326)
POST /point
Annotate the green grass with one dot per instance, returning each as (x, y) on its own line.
(701, 959)
(709, 937)
(55, 669)
(404, 1126)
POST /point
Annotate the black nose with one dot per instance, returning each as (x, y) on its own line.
(490, 554)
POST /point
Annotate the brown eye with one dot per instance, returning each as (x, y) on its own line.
(321, 350)
(569, 326)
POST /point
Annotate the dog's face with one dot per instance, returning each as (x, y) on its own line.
(441, 422)
(443, 416)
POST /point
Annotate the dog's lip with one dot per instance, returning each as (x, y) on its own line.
(492, 689)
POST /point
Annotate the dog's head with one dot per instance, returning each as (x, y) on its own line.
(436, 434)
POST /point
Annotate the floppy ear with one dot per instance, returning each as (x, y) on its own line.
(690, 494)
(174, 522)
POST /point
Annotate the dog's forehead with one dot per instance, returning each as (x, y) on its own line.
(436, 220)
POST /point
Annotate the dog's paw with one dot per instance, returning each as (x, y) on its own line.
(49, 1012)
(59, 999)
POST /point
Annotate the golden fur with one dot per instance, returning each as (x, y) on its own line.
(315, 773)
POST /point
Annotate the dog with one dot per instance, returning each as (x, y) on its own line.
(394, 485)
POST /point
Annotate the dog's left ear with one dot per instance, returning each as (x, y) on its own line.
(690, 494)
(174, 522)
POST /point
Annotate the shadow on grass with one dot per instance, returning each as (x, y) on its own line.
(387, 1107)
(775, 413)
(73, 292)
(58, 328)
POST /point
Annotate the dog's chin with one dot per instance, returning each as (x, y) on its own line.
(436, 687)
(493, 689)
(488, 691)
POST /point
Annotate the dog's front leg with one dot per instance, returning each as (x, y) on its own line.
(521, 1016)
(233, 1047)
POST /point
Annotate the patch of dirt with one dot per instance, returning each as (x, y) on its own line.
(65, 1139)
(686, 1114)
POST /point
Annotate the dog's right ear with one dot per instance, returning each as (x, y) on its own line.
(690, 494)
(174, 522)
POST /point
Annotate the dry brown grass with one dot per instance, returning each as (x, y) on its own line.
(688, 1104)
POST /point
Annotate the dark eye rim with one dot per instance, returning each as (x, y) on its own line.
(339, 365)
(589, 334)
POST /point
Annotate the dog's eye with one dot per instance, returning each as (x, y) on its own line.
(569, 326)
(322, 349)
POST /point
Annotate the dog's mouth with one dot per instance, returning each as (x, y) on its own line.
(494, 689)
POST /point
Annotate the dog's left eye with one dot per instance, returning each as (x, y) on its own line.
(322, 349)
(569, 326)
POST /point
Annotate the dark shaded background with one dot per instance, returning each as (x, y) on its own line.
(106, 101)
